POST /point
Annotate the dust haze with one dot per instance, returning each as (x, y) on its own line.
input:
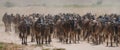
(26, 7)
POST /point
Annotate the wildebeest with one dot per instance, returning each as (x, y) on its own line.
(66, 27)
(7, 20)
(16, 22)
(24, 29)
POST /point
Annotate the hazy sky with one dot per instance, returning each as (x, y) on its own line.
(58, 2)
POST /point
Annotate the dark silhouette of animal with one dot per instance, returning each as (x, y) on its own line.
(24, 30)
(7, 20)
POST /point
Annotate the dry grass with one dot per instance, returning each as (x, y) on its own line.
(10, 46)
(46, 49)
(59, 49)
(54, 49)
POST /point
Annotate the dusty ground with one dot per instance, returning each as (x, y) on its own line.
(13, 37)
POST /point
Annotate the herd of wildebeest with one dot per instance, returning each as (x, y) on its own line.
(66, 27)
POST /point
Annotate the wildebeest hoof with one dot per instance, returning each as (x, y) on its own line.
(25, 43)
(22, 43)
(32, 40)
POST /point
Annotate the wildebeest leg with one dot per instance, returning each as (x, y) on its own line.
(116, 39)
(93, 39)
(87, 36)
(25, 39)
(75, 36)
(79, 35)
(116, 35)
(32, 37)
(21, 36)
(55, 33)
(37, 39)
(15, 28)
(103, 38)
(96, 39)
(88, 39)
(5, 27)
(84, 32)
(59, 36)
(42, 39)
(22, 40)
(70, 37)
(67, 38)
(107, 40)
(49, 40)
(99, 39)
(46, 40)
(37, 36)
(111, 41)
(9, 27)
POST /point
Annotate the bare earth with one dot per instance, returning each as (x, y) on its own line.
(13, 37)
